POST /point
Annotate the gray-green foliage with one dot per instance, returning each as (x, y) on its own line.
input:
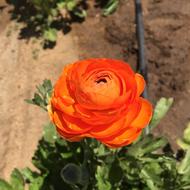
(162, 107)
(41, 97)
(147, 164)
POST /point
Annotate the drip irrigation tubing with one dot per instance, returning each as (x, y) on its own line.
(142, 62)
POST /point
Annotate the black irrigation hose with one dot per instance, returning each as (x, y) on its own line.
(142, 62)
(142, 65)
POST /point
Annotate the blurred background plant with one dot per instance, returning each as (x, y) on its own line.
(45, 18)
(148, 164)
(184, 143)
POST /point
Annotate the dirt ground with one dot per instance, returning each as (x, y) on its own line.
(20, 71)
(167, 35)
(24, 64)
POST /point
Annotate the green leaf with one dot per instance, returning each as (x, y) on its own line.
(184, 166)
(151, 175)
(61, 5)
(147, 145)
(131, 170)
(41, 90)
(102, 178)
(38, 99)
(47, 85)
(149, 178)
(80, 13)
(50, 35)
(184, 143)
(37, 183)
(115, 173)
(17, 181)
(154, 145)
(29, 175)
(29, 101)
(110, 7)
(71, 174)
(84, 175)
(74, 174)
(43, 94)
(4, 185)
(100, 150)
(66, 155)
(54, 12)
(49, 133)
(162, 107)
(71, 5)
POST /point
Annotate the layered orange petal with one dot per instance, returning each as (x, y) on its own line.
(61, 87)
(99, 98)
(110, 131)
(132, 138)
(135, 126)
(68, 124)
(144, 115)
(140, 83)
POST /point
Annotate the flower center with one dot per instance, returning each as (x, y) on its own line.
(101, 80)
(100, 88)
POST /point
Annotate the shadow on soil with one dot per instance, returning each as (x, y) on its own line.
(36, 20)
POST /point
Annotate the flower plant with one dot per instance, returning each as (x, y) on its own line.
(100, 98)
(147, 163)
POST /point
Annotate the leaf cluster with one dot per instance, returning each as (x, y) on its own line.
(46, 18)
(42, 95)
(147, 164)
(108, 6)
(16, 181)
(90, 165)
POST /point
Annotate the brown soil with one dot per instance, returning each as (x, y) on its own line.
(167, 25)
(167, 34)
(20, 71)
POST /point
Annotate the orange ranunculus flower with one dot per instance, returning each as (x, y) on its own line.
(100, 98)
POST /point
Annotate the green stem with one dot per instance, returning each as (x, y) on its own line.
(86, 152)
(86, 156)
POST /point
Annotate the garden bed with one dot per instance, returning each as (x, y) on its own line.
(167, 34)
